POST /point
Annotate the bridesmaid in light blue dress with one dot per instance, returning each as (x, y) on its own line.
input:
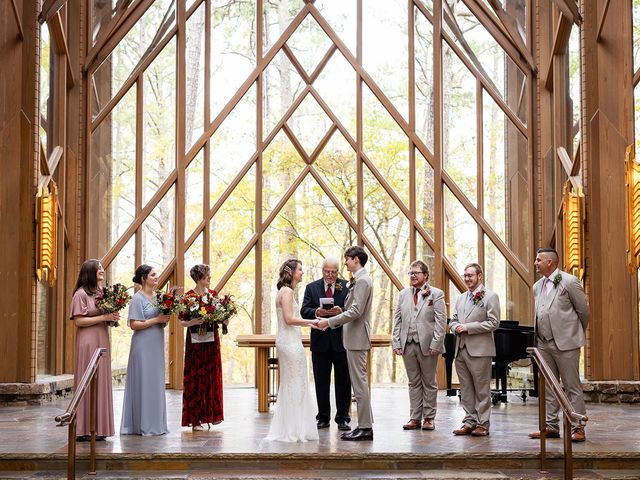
(145, 407)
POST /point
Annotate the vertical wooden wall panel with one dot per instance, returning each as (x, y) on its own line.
(613, 342)
(17, 155)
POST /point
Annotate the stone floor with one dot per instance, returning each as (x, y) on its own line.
(613, 430)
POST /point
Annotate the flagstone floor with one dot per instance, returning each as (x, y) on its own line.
(611, 428)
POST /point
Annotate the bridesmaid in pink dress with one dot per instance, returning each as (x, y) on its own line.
(92, 333)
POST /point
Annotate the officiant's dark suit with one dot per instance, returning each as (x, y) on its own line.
(327, 350)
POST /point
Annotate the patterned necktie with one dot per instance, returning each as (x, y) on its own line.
(329, 292)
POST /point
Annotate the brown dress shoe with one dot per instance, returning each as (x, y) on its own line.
(411, 425)
(429, 424)
(578, 435)
(480, 432)
(549, 434)
(463, 430)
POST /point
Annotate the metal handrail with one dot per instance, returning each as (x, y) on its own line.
(568, 413)
(89, 377)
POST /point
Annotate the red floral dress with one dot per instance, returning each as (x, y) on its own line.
(202, 394)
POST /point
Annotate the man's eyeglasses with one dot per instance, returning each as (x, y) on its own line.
(330, 272)
(469, 275)
(415, 274)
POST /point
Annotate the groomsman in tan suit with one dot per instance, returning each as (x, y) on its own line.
(418, 335)
(562, 315)
(356, 336)
(475, 317)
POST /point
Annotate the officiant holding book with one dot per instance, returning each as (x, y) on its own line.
(325, 298)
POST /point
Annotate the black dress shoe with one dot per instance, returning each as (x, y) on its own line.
(83, 438)
(346, 435)
(359, 434)
(344, 426)
(322, 424)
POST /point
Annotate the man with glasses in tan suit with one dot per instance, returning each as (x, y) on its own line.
(562, 315)
(418, 336)
(475, 317)
(356, 336)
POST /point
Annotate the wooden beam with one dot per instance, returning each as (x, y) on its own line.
(569, 168)
(118, 27)
(49, 9)
(499, 33)
(16, 15)
(512, 30)
(560, 42)
(60, 45)
(569, 10)
(603, 17)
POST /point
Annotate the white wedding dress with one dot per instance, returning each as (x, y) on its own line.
(295, 409)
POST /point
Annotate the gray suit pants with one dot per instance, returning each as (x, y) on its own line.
(357, 361)
(423, 386)
(565, 365)
(475, 388)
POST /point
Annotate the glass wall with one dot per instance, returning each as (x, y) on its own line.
(298, 131)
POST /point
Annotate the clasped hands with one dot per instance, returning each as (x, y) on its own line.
(322, 323)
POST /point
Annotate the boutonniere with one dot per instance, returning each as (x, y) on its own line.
(426, 292)
(478, 297)
(557, 279)
(352, 283)
(338, 287)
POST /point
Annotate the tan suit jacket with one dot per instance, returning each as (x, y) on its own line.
(431, 319)
(481, 320)
(567, 311)
(356, 318)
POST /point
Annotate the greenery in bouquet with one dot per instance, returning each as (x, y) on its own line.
(210, 308)
(168, 302)
(113, 298)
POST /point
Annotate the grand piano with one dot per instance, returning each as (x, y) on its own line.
(511, 340)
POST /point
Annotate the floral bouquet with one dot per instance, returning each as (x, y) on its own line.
(169, 302)
(211, 308)
(113, 298)
(227, 308)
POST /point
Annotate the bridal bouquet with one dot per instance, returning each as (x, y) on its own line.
(169, 302)
(113, 298)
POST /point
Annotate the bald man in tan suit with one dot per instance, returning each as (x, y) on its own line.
(562, 316)
(475, 317)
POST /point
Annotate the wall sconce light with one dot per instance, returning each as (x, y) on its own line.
(47, 232)
(572, 222)
(632, 210)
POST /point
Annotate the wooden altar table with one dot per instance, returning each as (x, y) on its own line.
(263, 342)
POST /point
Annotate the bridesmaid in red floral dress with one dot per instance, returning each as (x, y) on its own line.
(202, 394)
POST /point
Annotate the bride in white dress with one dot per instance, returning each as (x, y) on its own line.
(295, 409)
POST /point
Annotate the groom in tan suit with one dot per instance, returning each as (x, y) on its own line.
(475, 317)
(356, 336)
(562, 315)
(418, 335)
